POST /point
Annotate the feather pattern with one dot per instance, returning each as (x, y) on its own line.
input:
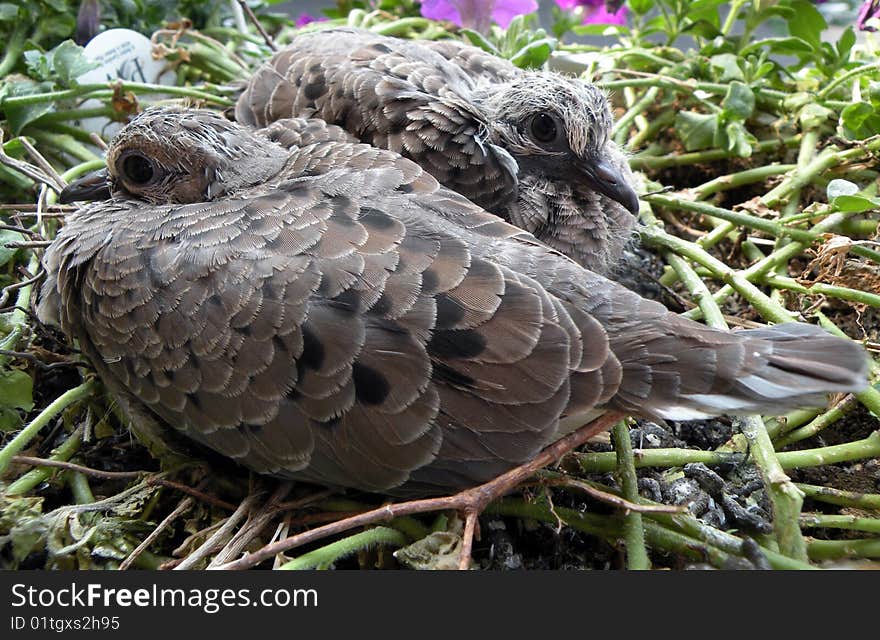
(331, 313)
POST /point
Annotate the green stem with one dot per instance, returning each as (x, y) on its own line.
(822, 289)
(325, 556)
(854, 499)
(401, 27)
(850, 523)
(37, 475)
(633, 531)
(605, 462)
(739, 179)
(79, 486)
(14, 47)
(20, 441)
(621, 127)
(837, 549)
(846, 77)
(787, 501)
(653, 162)
(96, 90)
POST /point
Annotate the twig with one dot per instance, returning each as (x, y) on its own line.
(71, 466)
(201, 495)
(182, 507)
(219, 537)
(466, 500)
(250, 14)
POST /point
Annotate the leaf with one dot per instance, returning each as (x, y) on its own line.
(479, 40)
(702, 28)
(854, 204)
(806, 23)
(739, 102)
(38, 64)
(70, 62)
(785, 46)
(734, 137)
(845, 44)
(608, 30)
(18, 116)
(696, 130)
(860, 120)
(8, 12)
(813, 115)
(534, 54)
(640, 7)
(16, 390)
(7, 253)
(728, 65)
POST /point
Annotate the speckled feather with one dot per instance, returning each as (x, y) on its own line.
(462, 114)
(331, 313)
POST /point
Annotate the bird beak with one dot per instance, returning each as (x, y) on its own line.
(602, 177)
(92, 186)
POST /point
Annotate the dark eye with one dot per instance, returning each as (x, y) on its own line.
(138, 169)
(543, 128)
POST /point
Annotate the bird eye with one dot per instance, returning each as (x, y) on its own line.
(543, 127)
(138, 169)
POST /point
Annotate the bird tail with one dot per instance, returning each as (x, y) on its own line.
(679, 370)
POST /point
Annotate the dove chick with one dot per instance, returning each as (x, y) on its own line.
(530, 146)
(329, 312)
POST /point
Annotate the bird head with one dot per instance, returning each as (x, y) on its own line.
(558, 127)
(575, 187)
(175, 155)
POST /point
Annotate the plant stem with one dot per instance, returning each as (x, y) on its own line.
(20, 441)
(99, 90)
(633, 531)
(35, 476)
(841, 498)
(787, 501)
(851, 523)
(327, 555)
(644, 161)
(836, 549)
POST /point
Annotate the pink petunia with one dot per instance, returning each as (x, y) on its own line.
(477, 14)
(595, 11)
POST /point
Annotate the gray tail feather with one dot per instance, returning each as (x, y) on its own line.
(768, 371)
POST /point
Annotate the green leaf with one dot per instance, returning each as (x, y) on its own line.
(16, 390)
(602, 30)
(806, 22)
(845, 44)
(734, 137)
(8, 12)
(640, 7)
(785, 46)
(7, 236)
(860, 120)
(534, 54)
(739, 102)
(813, 115)
(728, 67)
(477, 39)
(19, 116)
(696, 130)
(38, 64)
(854, 204)
(703, 28)
(70, 62)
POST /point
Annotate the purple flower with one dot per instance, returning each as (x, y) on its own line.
(305, 19)
(870, 9)
(477, 14)
(596, 11)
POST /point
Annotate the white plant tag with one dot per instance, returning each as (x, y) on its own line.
(122, 54)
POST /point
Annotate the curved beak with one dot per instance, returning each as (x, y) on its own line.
(602, 177)
(92, 186)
